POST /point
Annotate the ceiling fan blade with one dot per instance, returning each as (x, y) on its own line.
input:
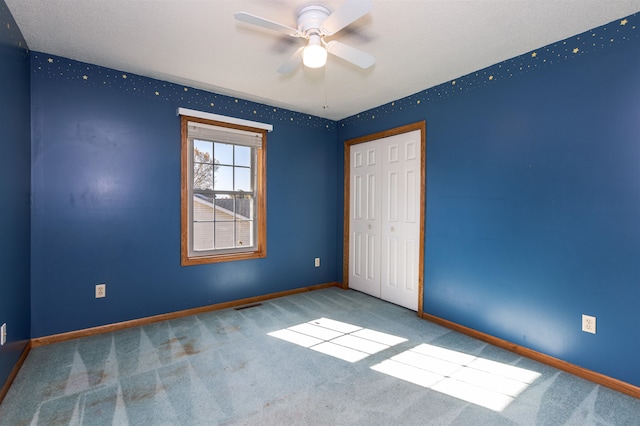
(351, 54)
(292, 63)
(265, 23)
(348, 12)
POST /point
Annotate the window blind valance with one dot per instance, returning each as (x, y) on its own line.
(208, 132)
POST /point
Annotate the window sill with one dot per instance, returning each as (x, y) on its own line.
(231, 257)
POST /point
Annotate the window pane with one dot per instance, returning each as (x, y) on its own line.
(202, 207)
(244, 233)
(203, 236)
(243, 156)
(243, 179)
(224, 178)
(203, 151)
(224, 153)
(224, 235)
(244, 208)
(224, 208)
(202, 176)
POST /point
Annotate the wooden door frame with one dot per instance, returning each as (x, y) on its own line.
(422, 126)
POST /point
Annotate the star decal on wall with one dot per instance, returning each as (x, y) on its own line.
(624, 22)
(576, 50)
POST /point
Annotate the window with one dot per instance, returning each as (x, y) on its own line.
(222, 191)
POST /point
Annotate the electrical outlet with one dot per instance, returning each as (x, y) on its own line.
(317, 262)
(3, 334)
(589, 324)
(101, 290)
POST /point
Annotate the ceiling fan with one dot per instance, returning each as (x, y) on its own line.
(314, 23)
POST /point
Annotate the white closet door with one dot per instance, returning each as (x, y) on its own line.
(364, 274)
(385, 218)
(400, 229)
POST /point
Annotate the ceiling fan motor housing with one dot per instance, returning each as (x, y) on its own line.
(310, 19)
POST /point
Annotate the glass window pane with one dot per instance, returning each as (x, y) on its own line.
(243, 179)
(243, 156)
(203, 236)
(224, 208)
(224, 235)
(202, 151)
(224, 153)
(244, 233)
(223, 178)
(202, 207)
(244, 208)
(202, 176)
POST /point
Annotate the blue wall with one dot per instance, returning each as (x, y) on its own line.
(106, 199)
(533, 197)
(14, 191)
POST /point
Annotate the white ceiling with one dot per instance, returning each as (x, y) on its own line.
(418, 43)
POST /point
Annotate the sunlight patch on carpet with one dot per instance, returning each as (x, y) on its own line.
(341, 340)
(480, 381)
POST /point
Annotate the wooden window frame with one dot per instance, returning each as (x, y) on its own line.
(259, 249)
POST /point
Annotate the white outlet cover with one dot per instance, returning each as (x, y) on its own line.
(101, 290)
(589, 324)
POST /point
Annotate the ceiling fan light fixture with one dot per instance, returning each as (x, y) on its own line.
(314, 23)
(314, 54)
